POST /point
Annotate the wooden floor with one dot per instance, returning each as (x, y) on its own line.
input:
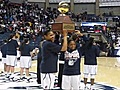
(107, 73)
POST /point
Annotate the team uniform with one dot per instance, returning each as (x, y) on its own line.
(25, 59)
(4, 52)
(90, 61)
(12, 53)
(71, 72)
(48, 65)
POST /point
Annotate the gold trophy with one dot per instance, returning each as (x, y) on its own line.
(63, 22)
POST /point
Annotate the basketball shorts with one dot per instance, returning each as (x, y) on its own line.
(71, 82)
(25, 62)
(47, 80)
(4, 60)
(90, 70)
(11, 60)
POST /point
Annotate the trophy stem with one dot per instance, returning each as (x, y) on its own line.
(62, 14)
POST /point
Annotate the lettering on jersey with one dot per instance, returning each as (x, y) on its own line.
(72, 57)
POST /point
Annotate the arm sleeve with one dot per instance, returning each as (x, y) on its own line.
(85, 38)
(31, 49)
(97, 51)
(80, 51)
(17, 44)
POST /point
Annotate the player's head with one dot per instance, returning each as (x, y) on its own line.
(26, 40)
(71, 44)
(89, 43)
(91, 40)
(12, 36)
(49, 35)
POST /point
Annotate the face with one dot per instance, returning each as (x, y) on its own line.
(50, 36)
(72, 45)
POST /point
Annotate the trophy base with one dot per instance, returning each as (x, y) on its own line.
(63, 22)
(70, 27)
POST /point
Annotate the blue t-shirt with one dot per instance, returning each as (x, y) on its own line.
(25, 50)
(4, 50)
(72, 62)
(12, 47)
(49, 53)
(90, 55)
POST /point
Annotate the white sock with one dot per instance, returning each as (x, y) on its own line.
(5, 72)
(27, 77)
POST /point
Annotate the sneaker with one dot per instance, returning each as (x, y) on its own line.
(11, 76)
(2, 74)
(86, 88)
(8, 75)
(92, 88)
(20, 79)
(28, 79)
(12, 79)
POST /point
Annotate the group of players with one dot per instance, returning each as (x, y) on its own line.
(70, 51)
(9, 56)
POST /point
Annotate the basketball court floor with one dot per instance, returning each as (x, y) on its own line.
(107, 78)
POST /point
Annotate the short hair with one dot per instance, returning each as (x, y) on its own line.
(46, 32)
(69, 40)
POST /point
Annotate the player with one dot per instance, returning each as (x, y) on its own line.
(91, 51)
(25, 59)
(71, 72)
(11, 61)
(49, 61)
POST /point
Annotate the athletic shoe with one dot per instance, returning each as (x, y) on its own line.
(86, 88)
(20, 79)
(28, 80)
(92, 88)
(8, 76)
(2, 74)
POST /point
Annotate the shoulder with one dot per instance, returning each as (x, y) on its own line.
(27, 45)
(49, 43)
(95, 46)
(14, 41)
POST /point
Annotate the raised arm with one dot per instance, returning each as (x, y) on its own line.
(64, 45)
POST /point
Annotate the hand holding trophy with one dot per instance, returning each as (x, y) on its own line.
(63, 22)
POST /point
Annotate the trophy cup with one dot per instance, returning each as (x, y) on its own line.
(63, 22)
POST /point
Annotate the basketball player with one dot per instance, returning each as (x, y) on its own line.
(11, 61)
(25, 59)
(4, 52)
(78, 35)
(91, 51)
(71, 72)
(49, 61)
